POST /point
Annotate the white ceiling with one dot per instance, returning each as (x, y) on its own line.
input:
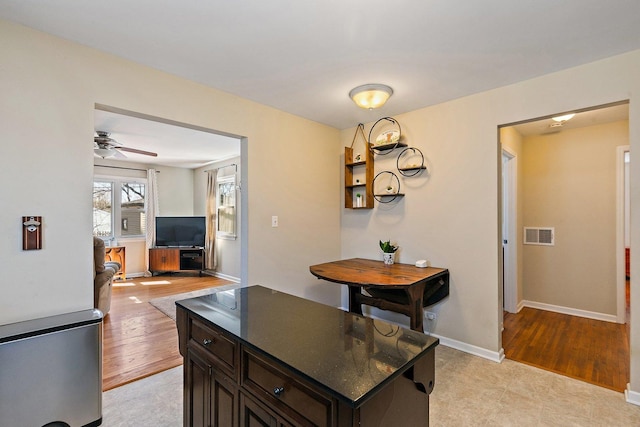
(305, 56)
(176, 146)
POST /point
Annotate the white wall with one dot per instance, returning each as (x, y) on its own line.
(452, 217)
(49, 90)
(175, 191)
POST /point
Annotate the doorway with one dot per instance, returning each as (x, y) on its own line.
(179, 153)
(570, 303)
(139, 336)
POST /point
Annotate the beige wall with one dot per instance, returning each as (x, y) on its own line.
(49, 90)
(569, 183)
(291, 168)
(452, 216)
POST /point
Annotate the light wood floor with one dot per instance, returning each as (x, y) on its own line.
(139, 340)
(590, 350)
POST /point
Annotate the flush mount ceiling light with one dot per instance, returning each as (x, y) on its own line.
(370, 96)
(564, 118)
(559, 121)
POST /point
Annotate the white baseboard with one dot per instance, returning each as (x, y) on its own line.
(632, 397)
(209, 273)
(571, 311)
(223, 276)
(494, 356)
(520, 306)
(134, 275)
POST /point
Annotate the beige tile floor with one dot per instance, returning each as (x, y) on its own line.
(469, 391)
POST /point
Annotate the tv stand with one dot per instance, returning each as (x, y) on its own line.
(169, 260)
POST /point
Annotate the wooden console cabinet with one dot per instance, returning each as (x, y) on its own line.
(117, 254)
(258, 357)
(163, 260)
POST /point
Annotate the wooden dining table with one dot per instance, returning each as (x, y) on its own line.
(402, 288)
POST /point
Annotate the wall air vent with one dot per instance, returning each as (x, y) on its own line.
(539, 236)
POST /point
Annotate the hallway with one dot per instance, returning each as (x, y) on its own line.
(589, 350)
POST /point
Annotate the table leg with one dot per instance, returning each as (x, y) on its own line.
(416, 295)
(354, 305)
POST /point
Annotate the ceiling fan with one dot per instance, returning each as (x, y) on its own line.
(104, 146)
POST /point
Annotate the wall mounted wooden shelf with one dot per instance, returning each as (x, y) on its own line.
(362, 167)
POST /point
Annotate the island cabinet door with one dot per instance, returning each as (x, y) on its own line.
(197, 412)
(400, 403)
(212, 398)
(254, 414)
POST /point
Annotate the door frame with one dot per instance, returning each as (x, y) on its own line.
(621, 301)
(509, 227)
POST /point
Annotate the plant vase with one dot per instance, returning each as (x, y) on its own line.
(388, 257)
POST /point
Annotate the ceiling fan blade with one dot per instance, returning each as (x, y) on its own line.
(134, 150)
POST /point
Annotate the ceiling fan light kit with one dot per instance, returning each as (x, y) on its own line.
(370, 96)
(104, 152)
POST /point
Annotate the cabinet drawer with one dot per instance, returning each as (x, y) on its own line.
(285, 393)
(215, 343)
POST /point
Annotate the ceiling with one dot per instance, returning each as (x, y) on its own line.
(591, 117)
(176, 146)
(304, 57)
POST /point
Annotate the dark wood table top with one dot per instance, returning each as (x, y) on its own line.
(367, 272)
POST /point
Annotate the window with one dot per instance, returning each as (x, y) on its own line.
(119, 208)
(132, 212)
(226, 206)
(102, 209)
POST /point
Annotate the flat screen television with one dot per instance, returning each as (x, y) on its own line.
(180, 231)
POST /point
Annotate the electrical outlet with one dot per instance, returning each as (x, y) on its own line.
(274, 221)
(430, 315)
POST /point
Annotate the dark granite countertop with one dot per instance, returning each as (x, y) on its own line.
(348, 355)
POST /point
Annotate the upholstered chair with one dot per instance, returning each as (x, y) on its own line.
(102, 277)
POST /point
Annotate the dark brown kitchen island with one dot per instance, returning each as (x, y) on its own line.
(256, 356)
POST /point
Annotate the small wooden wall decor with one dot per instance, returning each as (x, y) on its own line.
(358, 174)
(31, 232)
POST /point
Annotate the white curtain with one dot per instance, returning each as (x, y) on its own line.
(211, 261)
(152, 212)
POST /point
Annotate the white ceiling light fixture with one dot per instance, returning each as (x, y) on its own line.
(370, 96)
(104, 152)
(559, 121)
(564, 118)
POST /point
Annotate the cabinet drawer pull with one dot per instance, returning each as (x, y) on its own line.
(278, 391)
(206, 342)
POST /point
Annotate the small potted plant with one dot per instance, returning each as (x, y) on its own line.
(388, 251)
(358, 200)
